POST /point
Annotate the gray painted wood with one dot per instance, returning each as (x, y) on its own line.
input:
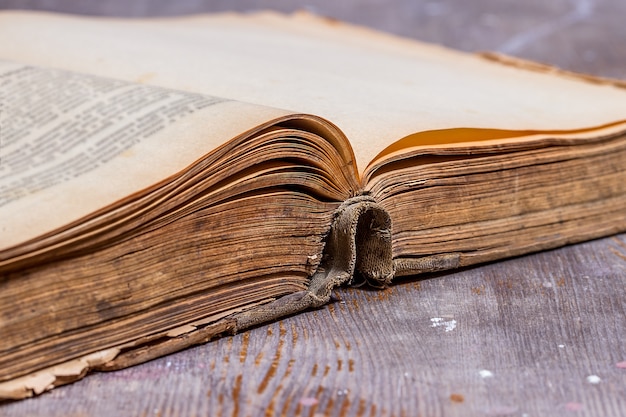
(520, 337)
(540, 335)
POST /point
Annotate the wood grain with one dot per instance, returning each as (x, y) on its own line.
(518, 337)
(521, 337)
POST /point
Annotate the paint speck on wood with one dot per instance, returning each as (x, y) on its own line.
(573, 406)
(309, 401)
(594, 379)
(457, 398)
(485, 373)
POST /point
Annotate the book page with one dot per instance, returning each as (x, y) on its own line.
(71, 144)
(377, 88)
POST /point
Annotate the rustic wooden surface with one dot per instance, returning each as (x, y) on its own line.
(540, 335)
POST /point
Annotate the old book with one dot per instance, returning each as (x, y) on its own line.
(164, 182)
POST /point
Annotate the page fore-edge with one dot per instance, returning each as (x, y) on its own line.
(358, 243)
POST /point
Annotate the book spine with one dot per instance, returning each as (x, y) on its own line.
(357, 251)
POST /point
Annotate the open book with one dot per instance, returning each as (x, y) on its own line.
(164, 182)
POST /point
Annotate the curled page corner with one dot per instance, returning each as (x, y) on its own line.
(54, 376)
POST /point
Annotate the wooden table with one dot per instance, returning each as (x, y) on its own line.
(540, 335)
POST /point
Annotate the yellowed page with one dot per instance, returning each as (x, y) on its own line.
(377, 88)
(71, 144)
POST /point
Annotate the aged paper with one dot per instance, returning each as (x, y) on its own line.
(377, 88)
(97, 140)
